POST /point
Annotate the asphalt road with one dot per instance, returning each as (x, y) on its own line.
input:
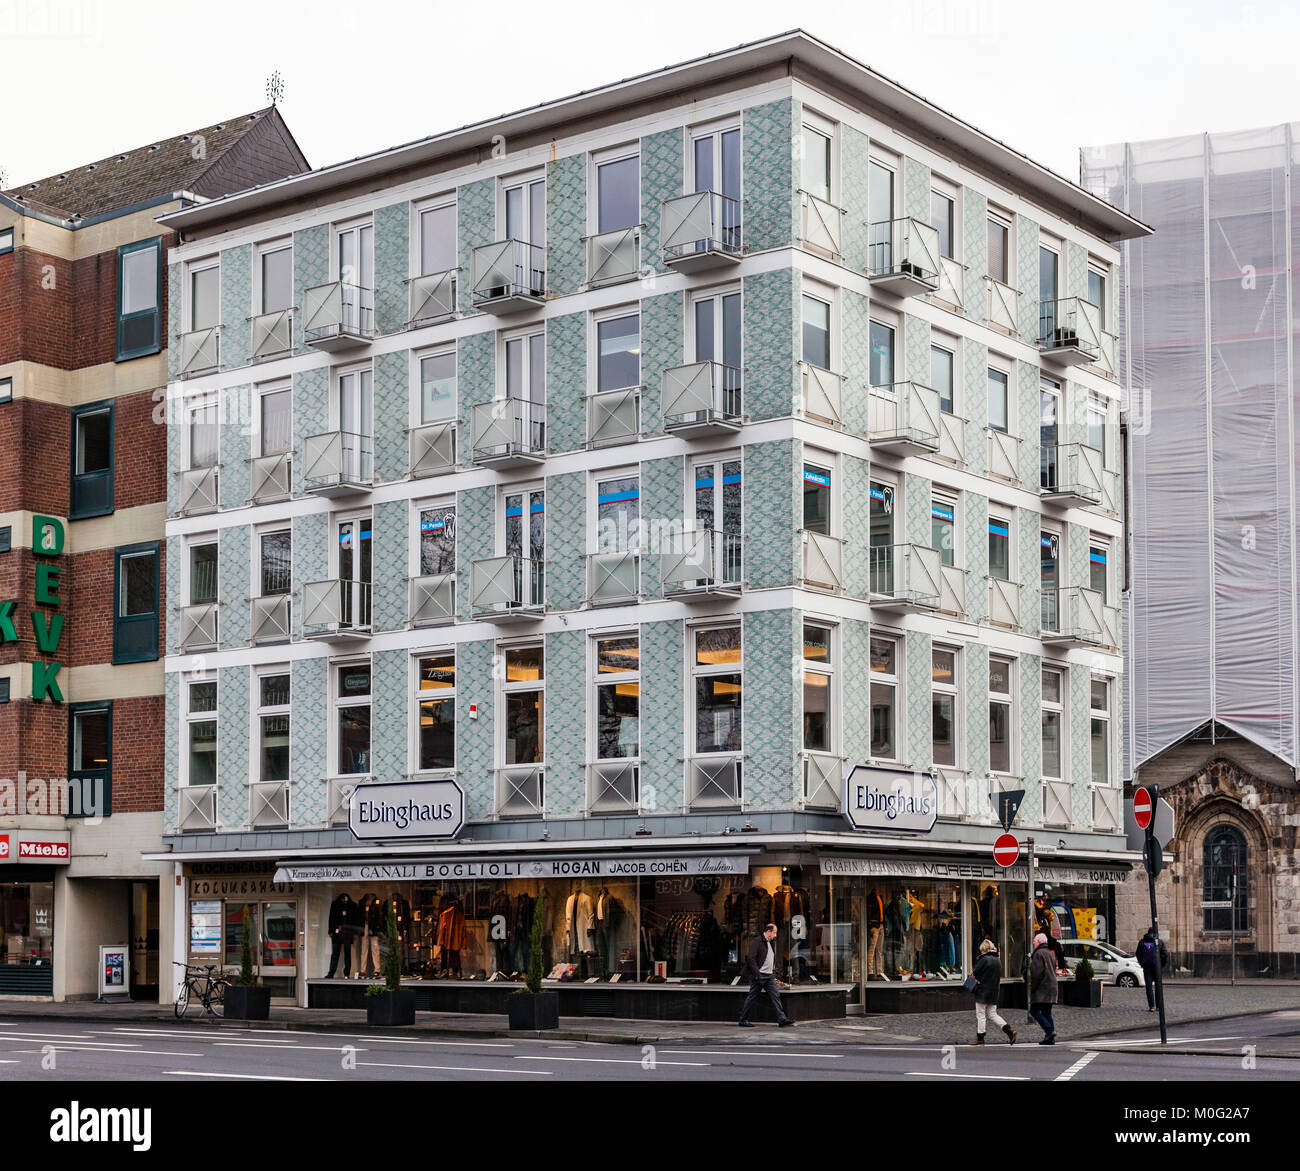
(33, 1050)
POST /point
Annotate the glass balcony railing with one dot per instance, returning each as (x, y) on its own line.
(1069, 331)
(269, 619)
(433, 599)
(905, 577)
(431, 298)
(613, 257)
(614, 416)
(823, 561)
(433, 449)
(701, 230)
(508, 276)
(508, 432)
(822, 225)
(272, 335)
(337, 462)
(700, 562)
(702, 398)
(903, 256)
(338, 608)
(508, 586)
(338, 315)
(198, 627)
(613, 578)
(199, 490)
(269, 477)
(200, 351)
(904, 418)
(1003, 307)
(823, 395)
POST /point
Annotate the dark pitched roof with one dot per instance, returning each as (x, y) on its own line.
(214, 160)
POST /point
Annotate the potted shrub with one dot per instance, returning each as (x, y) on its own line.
(246, 999)
(529, 1006)
(1084, 991)
(389, 1003)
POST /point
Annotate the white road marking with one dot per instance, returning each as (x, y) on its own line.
(741, 1052)
(123, 1052)
(616, 1061)
(280, 1048)
(56, 1038)
(1154, 1041)
(458, 1068)
(37, 1035)
(1078, 1065)
(252, 1077)
(990, 1077)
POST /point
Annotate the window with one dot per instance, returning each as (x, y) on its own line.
(356, 405)
(90, 760)
(1049, 578)
(6, 240)
(882, 538)
(276, 561)
(717, 668)
(618, 514)
(718, 338)
(525, 212)
(92, 460)
(816, 332)
(276, 278)
(618, 352)
(524, 696)
(1049, 410)
(1049, 264)
(205, 296)
(353, 553)
(941, 376)
(999, 548)
(1053, 721)
(204, 435)
(1225, 880)
(6, 390)
(943, 528)
(1096, 422)
(817, 499)
(1000, 721)
(999, 250)
(135, 586)
(943, 706)
(276, 420)
(817, 163)
(273, 726)
(881, 365)
(618, 697)
(618, 194)
(435, 699)
(438, 388)
(139, 295)
(1098, 578)
(4, 690)
(525, 357)
(525, 537)
(438, 239)
(201, 733)
(352, 719)
(880, 211)
(715, 161)
(884, 699)
(203, 573)
(718, 491)
(6, 538)
(999, 418)
(1099, 705)
(1097, 292)
(437, 540)
(818, 675)
(942, 220)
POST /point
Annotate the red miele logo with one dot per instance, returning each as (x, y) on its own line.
(42, 849)
(4, 845)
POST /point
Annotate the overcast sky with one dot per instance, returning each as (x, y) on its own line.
(88, 78)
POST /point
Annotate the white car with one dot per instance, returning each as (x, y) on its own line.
(1108, 962)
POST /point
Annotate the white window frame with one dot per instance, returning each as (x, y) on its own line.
(336, 230)
(595, 681)
(336, 397)
(1104, 715)
(192, 542)
(259, 712)
(260, 391)
(1059, 707)
(415, 696)
(1007, 699)
(190, 718)
(830, 129)
(1008, 221)
(715, 129)
(892, 321)
(829, 672)
(266, 530)
(599, 158)
(828, 462)
(816, 291)
(1006, 519)
(352, 515)
(193, 405)
(948, 344)
(1097, 406)
(1103, 270)
(337, 701)
(894, 681)
(433, 203)
(506, 688)
(418, 508)
(417, 383)
(954, 690)
(716, 293)
(948, 498)
(698, 671)
(595, 478)
(1100, 544)
(193, 268)
(523, 179)
(283, 243)
(1004, 366)
(522, 333)
(594, 321)
(950, 191)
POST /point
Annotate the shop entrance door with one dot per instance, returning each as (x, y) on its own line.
(274, 929)
(848, 942)
(144, 940)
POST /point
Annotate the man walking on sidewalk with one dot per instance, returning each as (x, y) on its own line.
(1149, 953)
(1042, 988)
(760, 964)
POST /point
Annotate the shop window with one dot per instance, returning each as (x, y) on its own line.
(1225, 880)
(884, 699)
(135, 618)
(90, 759)
(201, 733)
(92, 460)
(524, 696)
(273, 726)
(943, 706)
(435, 705)
(717, 668)
(1099, 703)
(352, 719)
(618, 697)
(818, 683)
(1053, 722)
(1001, 722)
(139, 297)
(27, 923)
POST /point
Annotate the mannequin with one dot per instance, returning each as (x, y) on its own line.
(875, 935)
(345, 925)
(501, 913)
(916, 934)
(373, 926)
(451, 937)
(580, 926)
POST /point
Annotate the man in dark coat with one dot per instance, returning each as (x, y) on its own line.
(1042, 988)
(760, 966)
(1148, 955)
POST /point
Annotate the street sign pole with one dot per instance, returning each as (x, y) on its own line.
(1029, 909)
(1153, 860)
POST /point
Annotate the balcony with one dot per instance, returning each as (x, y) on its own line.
(613, 257)
(903, 419)
(952, 438)
(339, 797)
(1105, 363)
(821, 227)
(196, 808)
(433, 599)
(507, 589)
(613, 578)
(433, 449)
(951, 293)
(337, 463)
(1071, 616)
(702, 399)
(823, 777)
(198, 627)
(1003, 307)
(1111, 628)
(268, 804)
(700, 231)
(272, 335)
(1057, 804)
(701, 563)
(1106, 816)
(952, 792)
(1071, 474)
(903, 257)
(200, 352)
(905, 577)
(199, 491)
(823, 395)
(336, 610)
(1069, 331)
(508, 433)
(508, 276)
(952, 591)
(823, 562)
(1004, 603)
(338, 316)
(521, 791)
(1004, 456)
(614, 786)
(431, 298)
(269, 619)
(713, 782)
(268, 477)
(1110, 499)
(614, 416)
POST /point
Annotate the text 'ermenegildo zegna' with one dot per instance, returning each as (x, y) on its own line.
(76, 1123)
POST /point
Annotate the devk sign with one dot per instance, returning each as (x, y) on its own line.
(890, 799)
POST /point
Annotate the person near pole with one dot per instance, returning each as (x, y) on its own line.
(987, 974)
(1151, 952)
(1042, 988)
(760, 965)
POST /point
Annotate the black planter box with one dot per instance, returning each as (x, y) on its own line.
(1077, 995)
(534, 1010)
(391, 1008)
(249, 1002)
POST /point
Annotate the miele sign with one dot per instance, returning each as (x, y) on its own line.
(33, 847)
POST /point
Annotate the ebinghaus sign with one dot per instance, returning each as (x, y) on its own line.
(406, 811)
(890, 799)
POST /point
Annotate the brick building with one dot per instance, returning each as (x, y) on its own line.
(84, 334)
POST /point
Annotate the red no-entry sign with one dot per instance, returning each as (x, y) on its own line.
(1006, 850)
(1142, 808)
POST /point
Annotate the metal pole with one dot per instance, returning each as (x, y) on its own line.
(1029, 911)
(1152, 860)
(1232, 918)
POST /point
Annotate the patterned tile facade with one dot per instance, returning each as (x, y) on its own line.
(566, 537)
(311, 267)
(855, 315)
(662, 178)
(1024, 378)
(662, 347)
(854, 147)
(662, 488)
(769, 388)
(975, 253)
(1027, 532)
(476, 376)
(976, 712)
(390, 565)
(475, 537)
(233, 582)
(311, 413)
(308, 736)
(769, 510)
(916, 190)
(475, 757)
(392, 266)
(236, 445)
(855, 689)
(566, 722)
(855, 508)
(236, 305)
(975, 554)
(1025, 232)
(662, 684)
(1030, 677)
(773, 704)
(1074, 274)
(916, 350)
(917, 662)
(476, 224)
(175, 294)
(310, 558)
(392, 381)
(566, 382)
(566, 224)
(916, 528)
(233, 744)
(1080, 746)
(973, 405)
(171, 740)
(174, 556)
(175, 449)
(769, 145)
(390, 687)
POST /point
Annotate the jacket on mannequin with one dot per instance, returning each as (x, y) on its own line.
(875, 909)
(372, 914)
(580, 922)
(451, 927)
(345, 916)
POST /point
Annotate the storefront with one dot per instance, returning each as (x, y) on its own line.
(28, 868)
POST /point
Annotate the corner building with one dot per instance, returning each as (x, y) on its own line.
(645, 461)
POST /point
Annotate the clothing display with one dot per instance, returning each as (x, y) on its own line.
(373, 927)
(610, 917)
(692, 942)
(580, 923)
(758, 911)
(346, 924)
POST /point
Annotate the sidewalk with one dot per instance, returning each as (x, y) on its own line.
(1123, 1010)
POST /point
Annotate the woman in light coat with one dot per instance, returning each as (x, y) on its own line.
(988, 974)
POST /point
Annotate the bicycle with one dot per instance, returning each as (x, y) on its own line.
(202, 985)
